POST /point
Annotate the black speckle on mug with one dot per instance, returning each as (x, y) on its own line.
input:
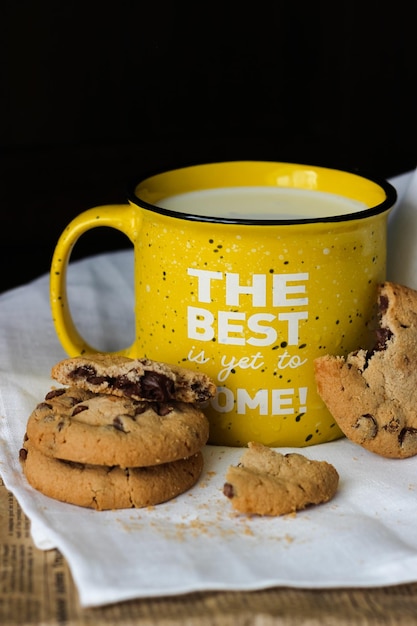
(284, 344)
(302, 345)
(308, 437)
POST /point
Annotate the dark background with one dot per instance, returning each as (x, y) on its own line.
(93, 94)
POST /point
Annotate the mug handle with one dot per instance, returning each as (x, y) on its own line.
(123, 217)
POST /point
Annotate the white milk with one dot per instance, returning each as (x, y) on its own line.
(261, 203)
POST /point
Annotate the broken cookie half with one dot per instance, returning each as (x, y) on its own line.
(266, 482)
(372, 394)
(139, 379)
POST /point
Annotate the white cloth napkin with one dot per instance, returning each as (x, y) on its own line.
(365, 536)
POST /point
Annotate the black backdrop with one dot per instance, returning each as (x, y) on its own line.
(93, 94)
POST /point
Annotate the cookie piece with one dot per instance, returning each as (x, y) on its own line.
(101, 488)
(267, 482)
(372, 394)
(140, 379)
(81, 426)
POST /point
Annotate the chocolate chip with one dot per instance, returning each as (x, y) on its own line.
(163, 409)
(152, 385)
(367, 425)
(201, 394)
(54, 393)
(408, 438)
(89, 373)
(383, 335)
(99, 380)
(79, 409)
(141, 407)
(73, 401)
(83, 372)
(157, 387)
(228, 490)
(383, 304)
(44, 405)
(23, 454)
(119, 424)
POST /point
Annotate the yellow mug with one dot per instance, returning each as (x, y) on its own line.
(248, 271)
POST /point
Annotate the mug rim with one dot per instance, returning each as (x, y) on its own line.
(385, 206)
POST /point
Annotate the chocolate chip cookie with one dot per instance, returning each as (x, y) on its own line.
(372, 394)
(267, 482)
(101, 488)
(139, 379)
(82, 426)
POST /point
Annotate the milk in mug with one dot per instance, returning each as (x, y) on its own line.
(261, 203)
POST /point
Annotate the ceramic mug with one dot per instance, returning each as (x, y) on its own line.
(247, 270)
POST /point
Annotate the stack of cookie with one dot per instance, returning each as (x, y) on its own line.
(122, 433)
